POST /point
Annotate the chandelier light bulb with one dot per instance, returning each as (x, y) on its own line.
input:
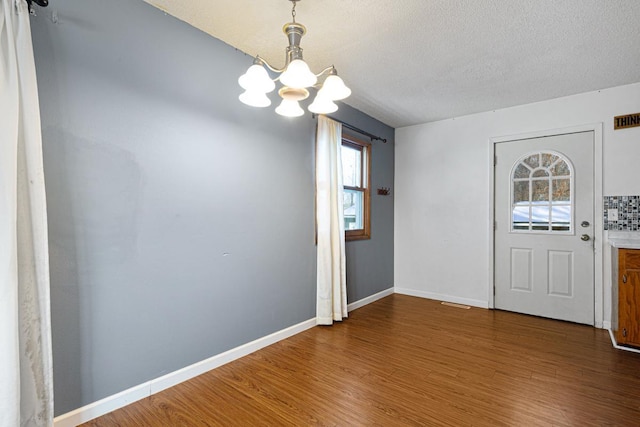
(322, 105)
(298, 75)
(254, 98)
(334, 88)
(289, 108)
(256, 79)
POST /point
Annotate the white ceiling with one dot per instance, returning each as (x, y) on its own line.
(416, 61)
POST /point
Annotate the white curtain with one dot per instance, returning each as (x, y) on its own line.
(26, 391)
(331, 279)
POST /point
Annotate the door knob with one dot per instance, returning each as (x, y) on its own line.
(585, 237)
(585, 224)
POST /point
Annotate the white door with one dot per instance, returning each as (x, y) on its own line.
(544, 211)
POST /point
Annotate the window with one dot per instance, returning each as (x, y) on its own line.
(356, 164)
(541, 194)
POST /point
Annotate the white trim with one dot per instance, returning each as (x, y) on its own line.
(492, 226)
(599, 228)
(550, 132)
(442, 297)
(596, 128)
(133, 394)
(103, 406)
(370, 299)
(620, 347)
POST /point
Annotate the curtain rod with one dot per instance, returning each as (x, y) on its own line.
(355, 129)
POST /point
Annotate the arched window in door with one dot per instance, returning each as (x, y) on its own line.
(542, 194)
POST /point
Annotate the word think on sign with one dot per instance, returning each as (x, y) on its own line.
(626, 121)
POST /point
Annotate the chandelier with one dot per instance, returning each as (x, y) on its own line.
(295, 78)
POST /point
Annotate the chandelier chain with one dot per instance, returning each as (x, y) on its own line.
(293, 10)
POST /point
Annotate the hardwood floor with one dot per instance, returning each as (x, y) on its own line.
(410, 361)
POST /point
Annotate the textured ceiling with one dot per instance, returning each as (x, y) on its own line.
(416, 61)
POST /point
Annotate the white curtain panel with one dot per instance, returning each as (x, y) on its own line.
(26, 389)
(331, 278)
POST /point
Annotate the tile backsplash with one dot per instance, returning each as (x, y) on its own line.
(627, 213)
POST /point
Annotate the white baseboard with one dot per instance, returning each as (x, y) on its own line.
(370, 299)
(442, 297)
(620, 347)
(103, 406)
(133, 394)
(476, 303)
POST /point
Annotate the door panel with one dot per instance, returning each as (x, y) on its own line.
(543, 194)
(561, 273)
(521, 269)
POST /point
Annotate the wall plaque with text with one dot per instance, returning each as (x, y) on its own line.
(626, 121)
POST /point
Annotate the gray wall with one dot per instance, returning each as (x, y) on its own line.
(181, 222)
(369, 262)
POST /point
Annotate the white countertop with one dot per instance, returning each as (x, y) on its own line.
(621, 243)
(624, 239)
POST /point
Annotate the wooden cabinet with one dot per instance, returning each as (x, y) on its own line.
(628, 307)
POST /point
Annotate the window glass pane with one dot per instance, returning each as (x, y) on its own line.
(521, 191)
(560, 169)
(548, 159)
(351, 166)
(561, 189)
(540, 173)
(561, 217)
(540, 216)
(540, 190)
(533, 161)
(540, 227)
(522, 171)
(520, 217)
(353, 210)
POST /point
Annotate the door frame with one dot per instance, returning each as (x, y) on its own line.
(598, 229)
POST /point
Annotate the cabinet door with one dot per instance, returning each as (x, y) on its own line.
(629, 297)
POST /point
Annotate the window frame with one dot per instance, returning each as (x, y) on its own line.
(365, 178)
(551, 177)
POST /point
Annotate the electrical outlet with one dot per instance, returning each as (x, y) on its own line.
(612, 214)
